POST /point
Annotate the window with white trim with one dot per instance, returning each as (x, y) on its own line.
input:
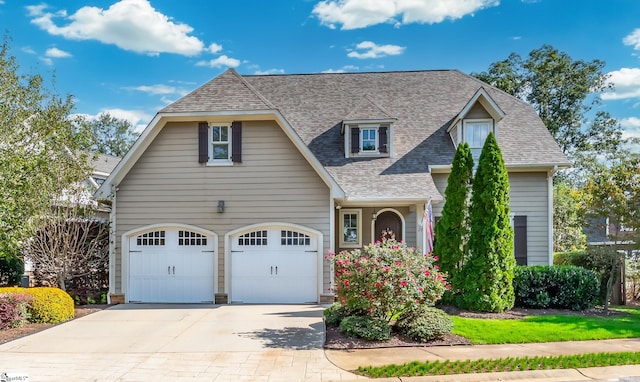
(151, 238)
(253, 238)
(220, 147)
(293, 238)
(369, 140)
(191, 238)
(351, 225)
(475, 132)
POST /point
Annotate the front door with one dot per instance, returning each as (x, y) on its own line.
(389, 222)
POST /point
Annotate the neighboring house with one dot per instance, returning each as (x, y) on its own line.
(237, 191)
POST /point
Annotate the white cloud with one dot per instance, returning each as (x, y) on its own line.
(138, 119)
(631, 127)
(214, 48)
(344, 69)
(56, 53)
(158, 89)
(369, 49)
(354, 14)
(132, 25)
(28, 50)
(626, 82)
(220, 62)
(633, 39)
(269, 71)
(46, 60)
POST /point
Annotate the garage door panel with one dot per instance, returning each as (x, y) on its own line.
(274, 266)
(171, 265)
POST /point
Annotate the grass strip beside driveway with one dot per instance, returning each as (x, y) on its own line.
(500, 365)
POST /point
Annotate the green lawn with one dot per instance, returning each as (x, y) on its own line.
(549, 328)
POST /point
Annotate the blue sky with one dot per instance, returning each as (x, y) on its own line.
(132, 57)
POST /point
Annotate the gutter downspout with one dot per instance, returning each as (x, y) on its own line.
(112, 245)
(550, 210)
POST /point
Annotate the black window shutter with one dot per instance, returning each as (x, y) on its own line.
(383, 139)
(355, 140)
(203, 142)
(520, 239)
(236, 142)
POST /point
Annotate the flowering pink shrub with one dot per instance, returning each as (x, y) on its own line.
(386, 278)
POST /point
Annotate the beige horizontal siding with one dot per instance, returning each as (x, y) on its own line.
(528, 197)
(274, 183)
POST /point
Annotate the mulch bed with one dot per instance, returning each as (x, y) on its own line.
(10, 334)
(336, 340)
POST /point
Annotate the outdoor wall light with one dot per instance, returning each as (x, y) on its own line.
(220, 206)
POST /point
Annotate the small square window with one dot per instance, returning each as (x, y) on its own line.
(351, 226)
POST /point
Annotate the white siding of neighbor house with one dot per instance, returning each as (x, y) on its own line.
(274, 183)
(529, 196)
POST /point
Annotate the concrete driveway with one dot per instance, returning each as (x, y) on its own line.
(157, 342)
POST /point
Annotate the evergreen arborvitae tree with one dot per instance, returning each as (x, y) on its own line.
(452, 229)
(488, 270)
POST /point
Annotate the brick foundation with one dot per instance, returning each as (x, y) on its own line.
(327, 299)
(221, 298)
(116, 298)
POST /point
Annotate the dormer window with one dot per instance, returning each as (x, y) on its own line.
(475, 132)
(479, 117)
(367, 140)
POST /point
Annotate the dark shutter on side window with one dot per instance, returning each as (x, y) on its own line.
(383, 139)
(203, 142)
(520, 239)
(355, 140)
(236, 142)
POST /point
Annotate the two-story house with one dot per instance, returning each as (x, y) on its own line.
(237, 191)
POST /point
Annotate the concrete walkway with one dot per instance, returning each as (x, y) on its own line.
(179, 343)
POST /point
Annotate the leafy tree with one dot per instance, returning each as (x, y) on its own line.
(567, 219)
(613, 193)
(560, 89)
(109, 135)
(489, 269)
(39, 151)
(452, 229)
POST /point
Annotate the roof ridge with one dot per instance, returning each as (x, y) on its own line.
(252, 89)
(349, 73)
(365, 101)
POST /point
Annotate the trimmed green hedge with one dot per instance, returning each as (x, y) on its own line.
(424, 323)
(563, 287)
(373, 329)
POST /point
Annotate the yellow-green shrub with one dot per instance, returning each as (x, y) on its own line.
(50, 305)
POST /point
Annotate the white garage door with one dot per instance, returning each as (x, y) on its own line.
(171, 265)
(274, 266)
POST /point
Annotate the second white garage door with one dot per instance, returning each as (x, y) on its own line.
(274, 265)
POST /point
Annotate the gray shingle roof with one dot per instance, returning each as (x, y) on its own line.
(423, 102)
(105, 163)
